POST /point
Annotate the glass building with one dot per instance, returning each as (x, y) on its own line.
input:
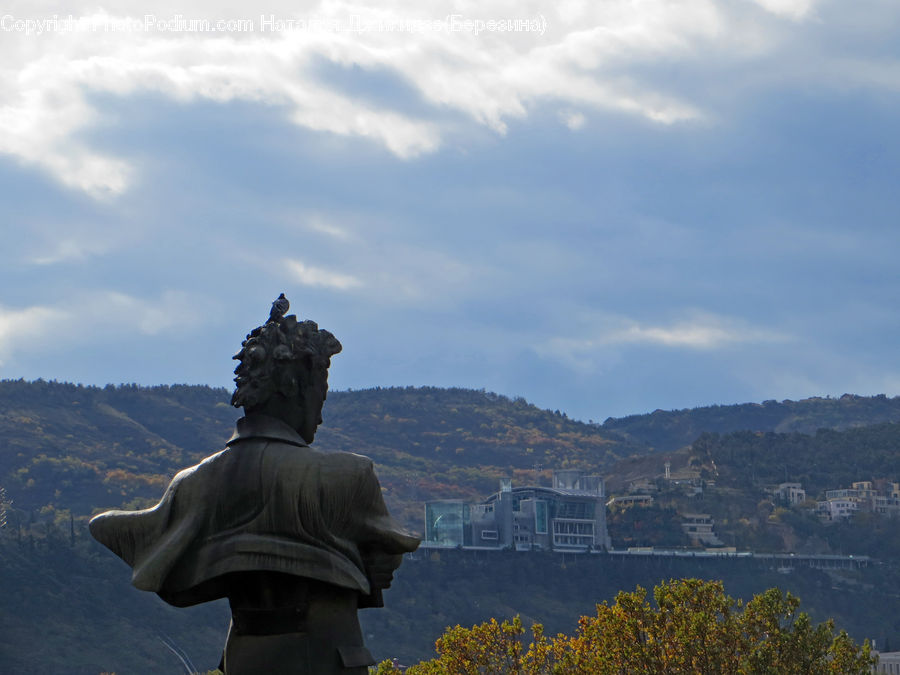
(570, 516)
(445, 523)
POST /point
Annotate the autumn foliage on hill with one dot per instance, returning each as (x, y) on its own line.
(693, 628)
(668, 430)
(75, 450)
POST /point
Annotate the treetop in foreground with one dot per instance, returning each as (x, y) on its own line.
(692, 628)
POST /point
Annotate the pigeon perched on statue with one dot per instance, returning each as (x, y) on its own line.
(279, 308)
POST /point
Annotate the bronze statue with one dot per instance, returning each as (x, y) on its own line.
(296, 539)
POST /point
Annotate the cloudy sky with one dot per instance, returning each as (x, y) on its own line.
(605, 206)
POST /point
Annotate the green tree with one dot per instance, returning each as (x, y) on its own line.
(692, 628)
(488, 648)
(783, 640)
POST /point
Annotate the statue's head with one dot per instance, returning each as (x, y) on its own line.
(283, 372)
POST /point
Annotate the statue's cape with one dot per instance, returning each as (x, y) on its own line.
(265, 503)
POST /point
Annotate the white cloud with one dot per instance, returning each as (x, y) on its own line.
(38, 117)
(698, 332)
(883, 75)
(46, 102)
(586, 56)
(68, 250)
(424, 276)
(93, 317)
(329, 228)
(792, 9)
(74, 239)
(173, 309)
(415, 276)
(26, 326)
(706, 333)
(573, 120)
(490, 77)
(309, 275)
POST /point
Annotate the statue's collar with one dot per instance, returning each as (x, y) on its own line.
(263, 426)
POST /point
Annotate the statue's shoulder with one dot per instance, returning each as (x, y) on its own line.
(350, 460)
(205, 465)
(344, 463)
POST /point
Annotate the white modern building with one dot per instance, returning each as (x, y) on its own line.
(570, 516)
(792, 493)
(878, 496)
(699, 527)
(888, 662)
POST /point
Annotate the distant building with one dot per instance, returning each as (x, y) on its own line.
(699, 527)
(864, 487)
(889, 506)
(836, 508)
(888, 662)
(845, 493)
(792, 493)
(887, 488)
(570, 516)
(631, 500)
(642, 486)
(879, 496)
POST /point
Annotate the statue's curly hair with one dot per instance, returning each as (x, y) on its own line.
(278, 357)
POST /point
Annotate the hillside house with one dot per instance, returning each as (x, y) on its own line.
(699, 527)
(879, 496)
(642, 486)
(790, 493)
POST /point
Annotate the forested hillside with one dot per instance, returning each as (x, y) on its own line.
(732, 478)
(821, 461)
(73, 449)
(68, 451)
(667, 430)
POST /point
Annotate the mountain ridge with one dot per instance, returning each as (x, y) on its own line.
(667, 430)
